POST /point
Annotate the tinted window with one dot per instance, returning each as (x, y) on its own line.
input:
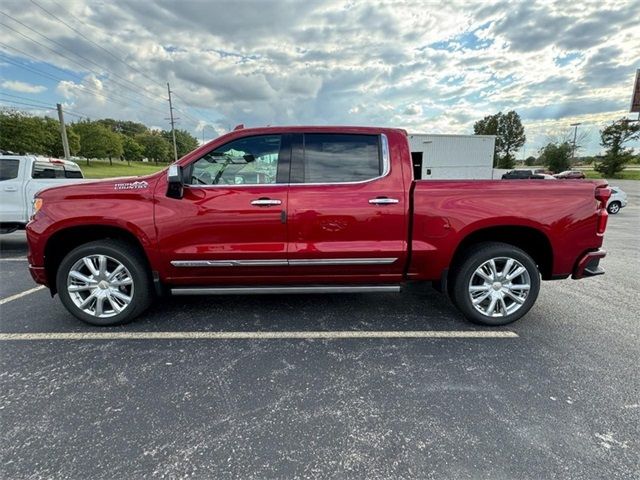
(332, 158)
(246, 161)
(71, 171)
(9, 168)
(47, 170)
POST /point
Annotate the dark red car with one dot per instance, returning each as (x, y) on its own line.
(311, 209)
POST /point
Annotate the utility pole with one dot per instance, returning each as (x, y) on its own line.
(63, 133)
(575, 136)
(173, 130)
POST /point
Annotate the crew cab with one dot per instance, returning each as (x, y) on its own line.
(21, 177)
(308, 210)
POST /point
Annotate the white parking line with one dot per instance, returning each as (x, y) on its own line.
(255, 335)
(21, 294)
(13, 259)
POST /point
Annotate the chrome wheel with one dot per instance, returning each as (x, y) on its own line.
(614, 208)
(100, 286)
(499, 287)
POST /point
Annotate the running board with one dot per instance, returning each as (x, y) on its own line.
(284, 289)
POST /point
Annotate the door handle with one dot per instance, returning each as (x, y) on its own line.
(10, 189)
(383, 201)
(266, 202)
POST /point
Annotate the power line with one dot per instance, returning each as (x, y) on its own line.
(108, 52)
(123, 100)
(83, 67)
(11, 102)
(87, 59)
(89, 40)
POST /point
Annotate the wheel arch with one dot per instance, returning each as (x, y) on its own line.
(532, 240)
(65, 240)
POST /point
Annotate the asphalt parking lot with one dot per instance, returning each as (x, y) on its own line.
(555, 395)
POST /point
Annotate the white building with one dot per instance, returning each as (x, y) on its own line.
(452, 156)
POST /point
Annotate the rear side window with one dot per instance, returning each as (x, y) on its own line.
(338, 158)
(47, 170)
(72, 173)
(9, 169)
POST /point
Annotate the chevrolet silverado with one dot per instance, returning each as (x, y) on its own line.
(308, 210)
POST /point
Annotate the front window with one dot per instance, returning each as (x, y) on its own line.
(246, 161)
(9, 168)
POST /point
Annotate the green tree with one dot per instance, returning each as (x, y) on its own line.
(613, 138)
(155, 146)
(530, 161)
(97, 141)
(21, 133)
(509, 132)
(131, 149)
(125, 127)
(54, 139)
(185, 142)
(556, 157)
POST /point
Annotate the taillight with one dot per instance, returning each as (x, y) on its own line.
(603, 216)
(602, 194)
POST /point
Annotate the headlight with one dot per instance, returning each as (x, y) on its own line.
(37, 205)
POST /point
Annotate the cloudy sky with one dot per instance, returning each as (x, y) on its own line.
(425, 66)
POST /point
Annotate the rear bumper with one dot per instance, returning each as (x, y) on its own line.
(38, 274)
(589, 265)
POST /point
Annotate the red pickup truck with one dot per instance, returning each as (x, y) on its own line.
(307, 210)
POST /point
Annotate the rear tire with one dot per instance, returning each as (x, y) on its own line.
(614, 208)
(104, 283)
(495, 284)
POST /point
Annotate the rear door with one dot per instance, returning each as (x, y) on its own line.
(230, 226)
(347, 211)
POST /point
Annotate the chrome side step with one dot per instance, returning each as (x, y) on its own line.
(284, 289)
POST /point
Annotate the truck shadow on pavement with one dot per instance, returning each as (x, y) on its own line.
(416, 309)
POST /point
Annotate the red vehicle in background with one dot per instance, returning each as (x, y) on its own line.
(311, 209)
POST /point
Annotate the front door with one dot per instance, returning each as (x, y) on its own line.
(12, 203)
(230, 226)
(347, 210)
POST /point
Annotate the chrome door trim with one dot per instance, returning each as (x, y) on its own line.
(284, 289)
(229, 263)
(283, 263)
(342, 261)
(383, 201)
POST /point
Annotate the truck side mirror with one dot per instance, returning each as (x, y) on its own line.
(175, 183)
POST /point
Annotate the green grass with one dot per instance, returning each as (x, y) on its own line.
(102, 169)
(624, 175)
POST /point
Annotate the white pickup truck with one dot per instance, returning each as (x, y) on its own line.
(21, 177)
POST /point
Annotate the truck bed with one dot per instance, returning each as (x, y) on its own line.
(559, 216)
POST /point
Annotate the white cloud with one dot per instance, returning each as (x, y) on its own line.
(23, 87)
(435, 68)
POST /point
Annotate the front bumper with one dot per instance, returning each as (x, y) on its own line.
(589, 265)
(38, 274)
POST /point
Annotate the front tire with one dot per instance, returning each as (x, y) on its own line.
(104, 283)
(614, 208)
(495, 284)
